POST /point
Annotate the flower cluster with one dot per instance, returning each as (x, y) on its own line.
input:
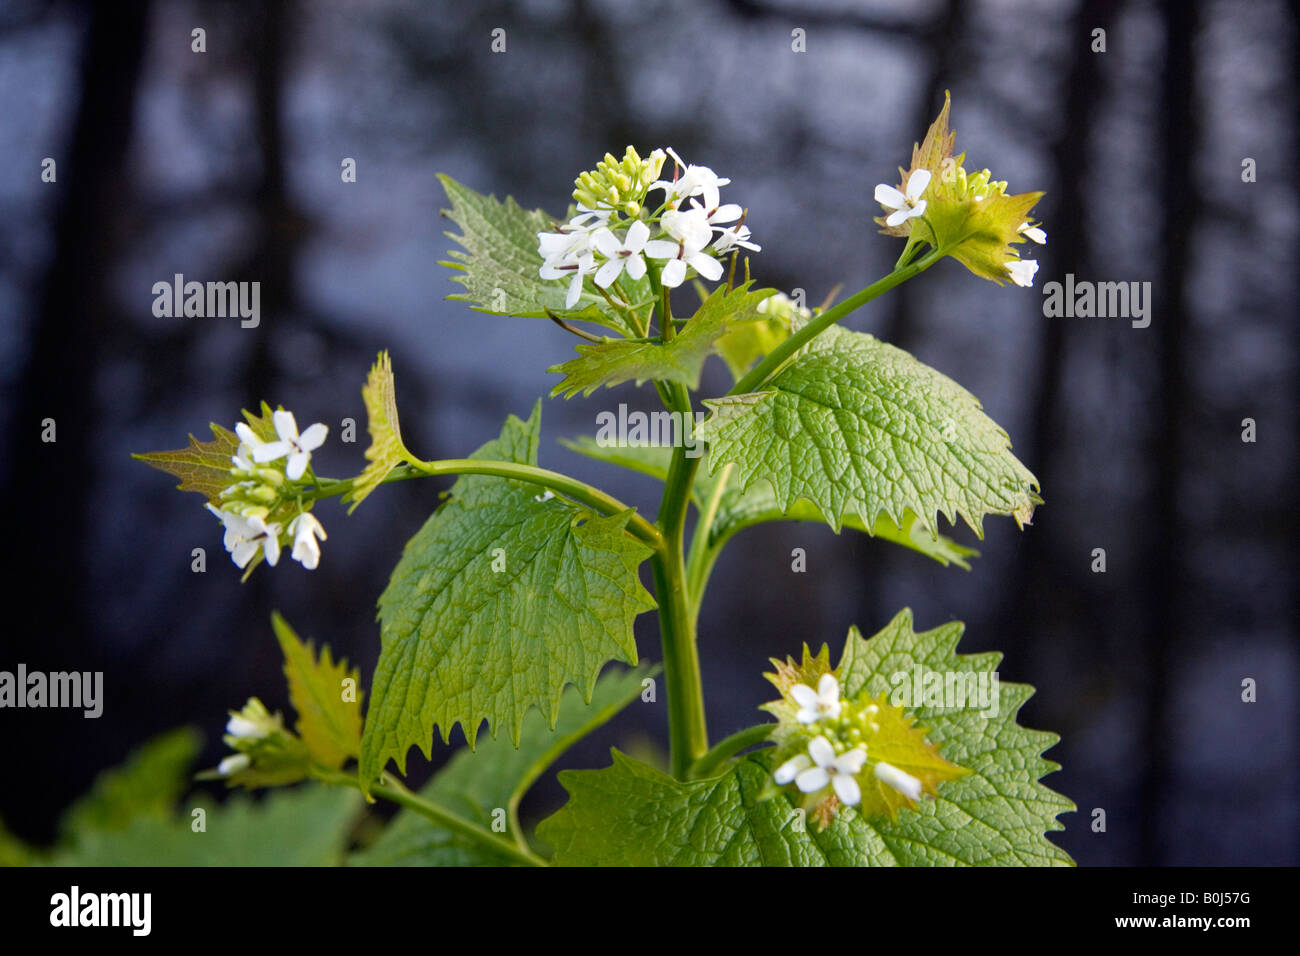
(838, 750)
(969, 216)
(616, 231)
(261, 509)
(266, 754)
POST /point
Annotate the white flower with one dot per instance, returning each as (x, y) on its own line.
(819, 703)
(838, 771)
(792, 768)
(1033, 232)
(297, 447)
(621, 255)
(574, 271)
(690, 181)
(572, 239)
(904, 206)
(900, 780)
(690, 227)
(242, 459)
(238, 726)
(692, 233)
(567, 245)
(1022, 271)
(679, 256)
(244, 536)
(233, 764)
(305, 530)
(735, 237)
(715, 213)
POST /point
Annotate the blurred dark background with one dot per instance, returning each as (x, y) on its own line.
(226, 165)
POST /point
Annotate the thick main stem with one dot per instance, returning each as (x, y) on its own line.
(687, 731)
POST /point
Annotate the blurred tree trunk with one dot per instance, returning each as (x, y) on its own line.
(48, 487)
(1166, 535)
(1029, 595)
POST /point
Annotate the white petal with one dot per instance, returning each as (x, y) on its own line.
(1035, 234)
(313, 437)
(306, 552)
(575, 290)
(852, 761)
(635, 265)
(890, 197)
(297, 465)
(900, 780)
(916, 184)
(803, 695)
(673, 274)
(918, 210)
(726, 213)
(792, 768)
(820, 749)
(271, 544)
(609, 272)
(606, 242)
(285, 426)
(707, 266)
(233, 764)
(270, 451)
(637, 234)
(238, 726)
(847, 789)
(243, 552)
(246, 435)
(661, 249)
(897, 217)
(828, 688)
(810, 781)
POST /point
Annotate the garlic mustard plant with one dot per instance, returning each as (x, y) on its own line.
(506, 607)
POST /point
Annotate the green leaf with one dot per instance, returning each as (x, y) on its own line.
(995, 815)
(739, 509)
(328, 724)
(476, 784)
(499, 601)
(305, 826)
(147, 785)
(386, 450)
(204, 466)
(742, 509)
(499, 265)
(678, 360)
(856, 426)
(13, 851)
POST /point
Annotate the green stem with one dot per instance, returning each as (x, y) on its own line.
(391, 789)
(764, 370)
(696, 564)
(687, 730)
(562, 484)
(727, 748)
